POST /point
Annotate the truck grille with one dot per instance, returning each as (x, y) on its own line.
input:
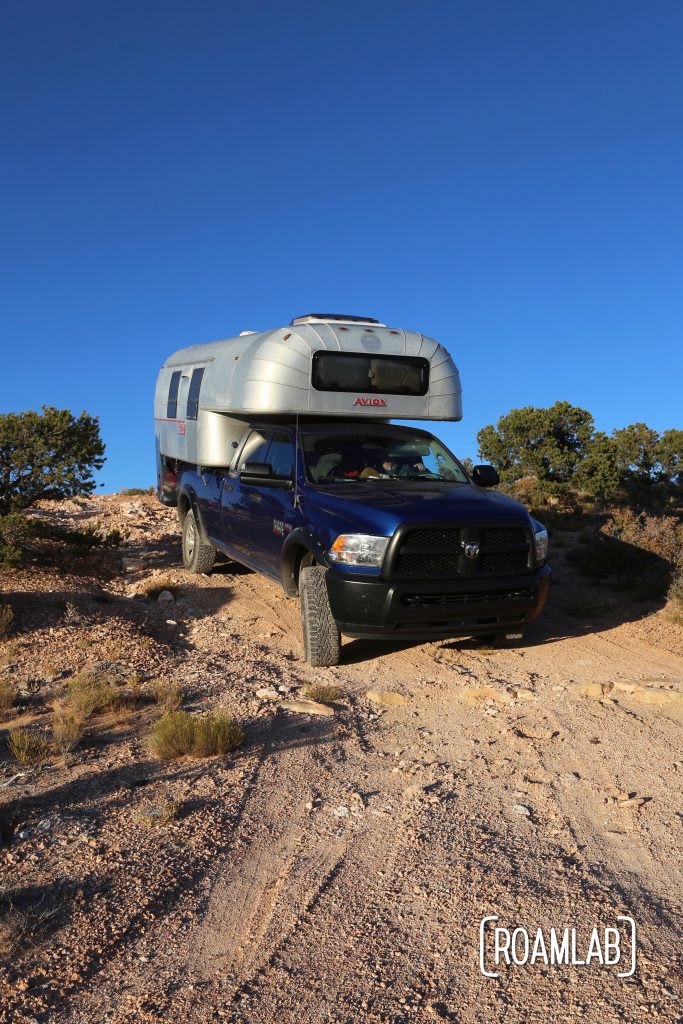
(427, 564)
(435, 538)
(503, 561)
(439, 552)
(428, 553)
(502, 535)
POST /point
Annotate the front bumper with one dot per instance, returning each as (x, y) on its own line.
(376, 607)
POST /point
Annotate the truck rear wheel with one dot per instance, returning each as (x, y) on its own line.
(197, 556)
(322, 640)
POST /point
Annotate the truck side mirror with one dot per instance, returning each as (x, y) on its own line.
(262, 473)
(258, 470)
(485, 476)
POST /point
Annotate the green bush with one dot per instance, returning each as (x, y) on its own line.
(179, 734)
(16, 535)
(173, 735)
(217, 733)
(19, 535)
(90, 693)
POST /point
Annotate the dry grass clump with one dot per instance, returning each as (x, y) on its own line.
(156, 585)
(90, 693)
(323, 693)
(21, 925)
(29, 747)
(6, 620)
(179, 734)
(67, 730)
(167, 694)
(72, 616)
(157, 810)
(8, 695)
(133, 694)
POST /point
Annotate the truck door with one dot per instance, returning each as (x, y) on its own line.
(271, 508)
(209, 500)
(236, 496)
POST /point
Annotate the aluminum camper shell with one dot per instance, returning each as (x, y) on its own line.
(206, 394)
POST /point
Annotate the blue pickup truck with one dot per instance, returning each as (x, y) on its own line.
(279, 452)
(380, 533)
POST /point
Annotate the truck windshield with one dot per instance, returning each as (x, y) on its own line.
(332, 458)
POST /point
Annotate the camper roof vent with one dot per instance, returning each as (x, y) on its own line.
(243, 334)
(344, 318)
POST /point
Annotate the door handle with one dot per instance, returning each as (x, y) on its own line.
(254, 497)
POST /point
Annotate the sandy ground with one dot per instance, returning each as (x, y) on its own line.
(338, 867)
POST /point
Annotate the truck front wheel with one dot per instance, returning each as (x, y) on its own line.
(322, 640)
(197, 556)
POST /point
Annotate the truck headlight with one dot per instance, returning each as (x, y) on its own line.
(540, 541)
(358, 549)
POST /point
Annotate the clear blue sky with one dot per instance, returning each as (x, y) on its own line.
(506, 177)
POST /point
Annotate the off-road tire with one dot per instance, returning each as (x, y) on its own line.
(322, 640)
(197, 556)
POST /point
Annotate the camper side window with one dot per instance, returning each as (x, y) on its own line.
(172, 406)
(193, 394)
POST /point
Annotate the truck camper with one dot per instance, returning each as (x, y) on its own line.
(278, 450)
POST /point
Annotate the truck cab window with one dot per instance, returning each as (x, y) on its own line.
(281, 455)
(193, 393)
(172, 406)
(254, 450)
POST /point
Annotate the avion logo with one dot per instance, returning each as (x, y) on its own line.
(371, 401)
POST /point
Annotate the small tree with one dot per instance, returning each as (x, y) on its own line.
(670, 458)
(637, 452)
(51, 454)
(546, 443)
(650, 464)
(599, 473)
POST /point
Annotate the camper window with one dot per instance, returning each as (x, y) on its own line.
(172, 406)
(193, 393)
(385, 375)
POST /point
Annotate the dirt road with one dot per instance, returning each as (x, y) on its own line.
(358, 853)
